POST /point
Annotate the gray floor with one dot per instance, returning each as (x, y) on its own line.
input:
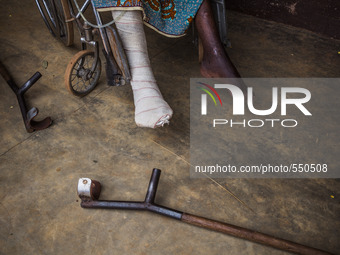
(96, 137)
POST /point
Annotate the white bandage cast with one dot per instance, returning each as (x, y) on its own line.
(150, 108)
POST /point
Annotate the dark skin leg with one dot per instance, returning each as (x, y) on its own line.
(216, 62)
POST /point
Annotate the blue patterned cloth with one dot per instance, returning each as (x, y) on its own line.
(169, 17)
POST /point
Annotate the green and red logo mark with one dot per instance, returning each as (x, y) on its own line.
(204, 96)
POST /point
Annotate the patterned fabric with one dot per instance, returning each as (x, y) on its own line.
(169, 17)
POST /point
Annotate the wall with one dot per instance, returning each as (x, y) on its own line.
(320, 16)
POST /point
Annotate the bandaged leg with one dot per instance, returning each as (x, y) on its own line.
(150, 108)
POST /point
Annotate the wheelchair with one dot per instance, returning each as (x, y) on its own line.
(84, 69)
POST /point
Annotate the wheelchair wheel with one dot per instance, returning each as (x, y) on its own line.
(56, 15)
(79, 79)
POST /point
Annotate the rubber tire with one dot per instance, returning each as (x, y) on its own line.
(62, 7)
(68, 25)
(70, 68)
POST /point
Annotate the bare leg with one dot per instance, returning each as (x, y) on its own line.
(215, 63)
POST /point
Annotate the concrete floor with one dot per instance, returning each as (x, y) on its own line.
(96, 137)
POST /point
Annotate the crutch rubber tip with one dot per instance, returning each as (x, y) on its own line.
(88, 189)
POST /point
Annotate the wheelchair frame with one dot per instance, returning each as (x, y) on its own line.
(83, 71)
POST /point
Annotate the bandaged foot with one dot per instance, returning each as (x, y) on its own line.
(150, 108)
